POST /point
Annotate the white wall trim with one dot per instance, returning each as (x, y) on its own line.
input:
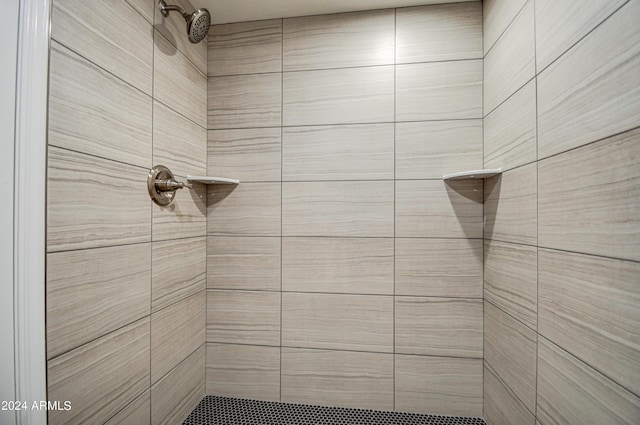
(30, 206)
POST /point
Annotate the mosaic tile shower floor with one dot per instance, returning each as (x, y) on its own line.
(214, 410)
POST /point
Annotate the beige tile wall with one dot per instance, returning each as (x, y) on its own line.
(125, 278)
(561, 271)
(342, 270)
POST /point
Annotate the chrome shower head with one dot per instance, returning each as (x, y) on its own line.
(198, 21)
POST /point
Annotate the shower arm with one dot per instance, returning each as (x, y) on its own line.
(165, 9)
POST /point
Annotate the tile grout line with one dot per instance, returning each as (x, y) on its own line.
(535, 79)
(281, 186)
(395, 89)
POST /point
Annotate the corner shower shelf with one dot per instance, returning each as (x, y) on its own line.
(473, 174)
(212, 180)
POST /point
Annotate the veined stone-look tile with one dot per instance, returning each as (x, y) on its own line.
(438, 326)
(338, 321)
(588, 198)
(173, 28)
(338, 152)
(339, 41)
(338, 265)
(511, 62)
(245, 48)
(511, 279)
(249, 154)
(338, 96)
(337, 378)
(570, 392)
(438, 385)
(180, 391)
(251, 263)
(592, 91)
(145, 7)
(243, 317)
(438, 267)
(84, 208)
(348, 209)
(247, 209)
(439, 32)
(177, 82)
(176, 332)
(501, 406)
(71, 375)
(243, 371)
(136, 413)
(431, 149)
(510, 206)
(185, 217)
(510, 350)
(244, 101)
(121, 44)
(510, 131)
(84, 303)
(438, 209)
(179, 270)
(589, 307)
(559, 24)
(178, 143)
(92, 111)
(497, 15)
(439, 91)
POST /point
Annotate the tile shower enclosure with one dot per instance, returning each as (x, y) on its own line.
(343, 271)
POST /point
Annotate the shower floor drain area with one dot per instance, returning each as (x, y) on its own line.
(233, 411)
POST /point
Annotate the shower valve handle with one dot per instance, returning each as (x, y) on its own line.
(168, 185)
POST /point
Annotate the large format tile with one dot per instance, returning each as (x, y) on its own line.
(497, 15)
(180, 391)
(439, 91)
(510, 350)
(438, 326)
(179, 270)
(428, 150)
(93, 112)
(510, 131)
(84, 303)
(337, 321)
(589, 307)
(559, 24)
(243, 371)
(438, 385)
(251, 263)
(511, 279)
(337, 378)
(570, 392)
(185, 217)
(243, 317)
(338, 265)
(121, 44)
(92, 378)
(250, 155)
(439, 32)
(244, 101)
(338, 209)
(247, 209)
(173, 28)
(86, 210)
(339, 41)
(592, 91)
(340, 96)
(138, 412)
(178, 83)
(245, 48)
(176, 332)
(438, 267)
(437, 209)
(339, 152)
(178, 143)
(588, 198)
(501, 406)
(510, 206)
(511, 62)
(144, 7)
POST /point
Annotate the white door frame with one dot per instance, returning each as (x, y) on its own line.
(29, 243)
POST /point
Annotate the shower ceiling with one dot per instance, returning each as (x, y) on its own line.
(224, 11)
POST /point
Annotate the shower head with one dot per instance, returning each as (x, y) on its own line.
(198, 21)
